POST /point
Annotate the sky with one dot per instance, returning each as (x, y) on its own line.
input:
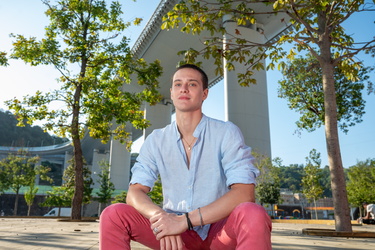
(27, 17)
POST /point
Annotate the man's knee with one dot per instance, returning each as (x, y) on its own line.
(248, 207)
(252, 211)
(115, 209)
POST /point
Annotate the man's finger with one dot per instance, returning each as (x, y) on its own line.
(154, 218)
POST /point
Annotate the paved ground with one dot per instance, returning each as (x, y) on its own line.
(40, 233)
(289, 236)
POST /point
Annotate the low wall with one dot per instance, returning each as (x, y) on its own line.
(296, 221)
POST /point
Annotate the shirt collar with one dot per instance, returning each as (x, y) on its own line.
(197, 130)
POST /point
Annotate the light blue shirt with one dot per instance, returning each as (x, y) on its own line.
(219, 158)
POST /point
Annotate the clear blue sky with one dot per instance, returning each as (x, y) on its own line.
(27, 17)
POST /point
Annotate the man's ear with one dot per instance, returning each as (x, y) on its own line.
(205, 94)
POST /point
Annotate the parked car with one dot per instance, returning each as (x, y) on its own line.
(64, 211)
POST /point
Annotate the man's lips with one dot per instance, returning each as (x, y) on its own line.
(183, 98)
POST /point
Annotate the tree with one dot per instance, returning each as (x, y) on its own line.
(120, 198)
(325, 182)
(106, 186)
(268, 183)
(4, 180)
(361, 182)
(314, 27)
(310, 181)
(30, 195)
(59, 197)
(82, 42)
(21, 170)
(62, 196)
(290, 177)
(69, 179)
(268, 193)
(55, 174)
(156, 194)
(3, 59)
(303, 89)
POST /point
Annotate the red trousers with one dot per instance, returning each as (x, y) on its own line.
(247, 227)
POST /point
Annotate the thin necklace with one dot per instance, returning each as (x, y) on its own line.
(189, 144)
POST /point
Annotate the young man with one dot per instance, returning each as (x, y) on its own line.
(208, 182)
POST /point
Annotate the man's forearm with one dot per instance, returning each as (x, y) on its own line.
(217, 210)
(137, 197)
(223, 206)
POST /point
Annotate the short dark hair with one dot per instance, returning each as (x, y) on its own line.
(195, 67)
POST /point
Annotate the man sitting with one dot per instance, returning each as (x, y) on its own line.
(369, 218)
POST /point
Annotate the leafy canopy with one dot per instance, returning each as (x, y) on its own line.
(306, 25)
(312, 189)
(3, 59)
(268, 183)
(83, 43)
(106, 186)
(361, 182)
(303, 88)
(20, 169)
(61, 196)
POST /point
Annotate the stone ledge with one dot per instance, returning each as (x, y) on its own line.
(308, 221)
(333, 233)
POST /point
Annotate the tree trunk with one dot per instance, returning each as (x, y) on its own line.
(99, 209)
(28, 210)
(339, 194)
(16, 203)
(79, 186)
(316, 212)
(340, 198)
(78, 158)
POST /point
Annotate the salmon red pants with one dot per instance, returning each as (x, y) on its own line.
(247, 227)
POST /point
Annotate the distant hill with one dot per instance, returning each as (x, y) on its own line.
(28, 136)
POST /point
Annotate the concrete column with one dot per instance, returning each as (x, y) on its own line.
(159, 115)
(119, 162)
(37, 177)
(247, 107)
(67, 159)
(96, 167)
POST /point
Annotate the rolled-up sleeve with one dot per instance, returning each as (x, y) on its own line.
(237, 160)
(145, 171)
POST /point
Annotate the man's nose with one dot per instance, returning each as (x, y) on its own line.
(184, 88)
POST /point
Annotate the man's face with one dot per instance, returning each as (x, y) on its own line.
(187, 91)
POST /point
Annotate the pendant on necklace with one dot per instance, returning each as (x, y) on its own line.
(188, 145)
